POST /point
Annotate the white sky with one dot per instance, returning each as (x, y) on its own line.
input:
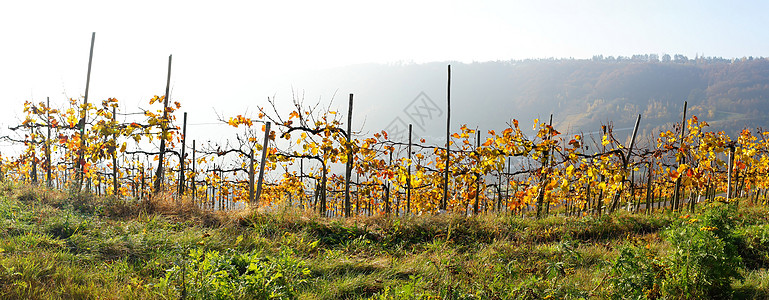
(232, 55)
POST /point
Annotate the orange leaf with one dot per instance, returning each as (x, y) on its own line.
(673, 174)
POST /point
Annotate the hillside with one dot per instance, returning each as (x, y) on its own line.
(582, 94)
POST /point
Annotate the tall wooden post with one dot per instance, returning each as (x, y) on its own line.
(677, 191)
(193, 184)
(397, 207)
(84, 118)
(444, 203)
(477, 180)
(114, 156)
(159, 174)
(261, 165)
(251, 175)
(348, 166)
(48, 144)
(388, 208)
(730, 158)
(323, 183)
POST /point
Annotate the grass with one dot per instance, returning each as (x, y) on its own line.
(59, 245)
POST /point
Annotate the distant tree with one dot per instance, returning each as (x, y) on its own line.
(640, 58)
(654, 58)
(680, 58)
(666, 58)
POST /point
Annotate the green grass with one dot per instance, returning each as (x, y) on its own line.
(58, 245)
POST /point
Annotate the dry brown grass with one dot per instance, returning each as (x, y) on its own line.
(182, 209)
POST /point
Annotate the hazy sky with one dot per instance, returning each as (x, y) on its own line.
(232, 55)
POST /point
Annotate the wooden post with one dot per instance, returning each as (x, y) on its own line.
(730, 158)
(301, 181)
(649, 187)
(498, 205)
(348, 166)
(444, 203)
(251, 176)
(114, 156)
(323, 181)
(164, 134)
(194, 187)
(507, 179)
(212, 193)
(388, 209)
(84, 117)
(221, 191)
(599, 200)
(48, 144)
(183, 156)
(408, 177)
(677, 191)
(388, 186)
(543, 181)
(633, 199)
(141, 194)
(33, 161)
(261, 165)
(357, 195)
(477, 180)
(132, 179)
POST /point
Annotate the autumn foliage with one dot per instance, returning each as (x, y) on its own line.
(506, 170)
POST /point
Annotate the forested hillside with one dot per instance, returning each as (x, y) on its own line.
(730, 94)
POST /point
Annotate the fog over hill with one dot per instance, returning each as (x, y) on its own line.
(730, 94)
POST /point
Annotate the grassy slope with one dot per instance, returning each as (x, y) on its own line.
(55, 245)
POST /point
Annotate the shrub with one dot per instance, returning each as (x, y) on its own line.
(701, 264)
(704, 257)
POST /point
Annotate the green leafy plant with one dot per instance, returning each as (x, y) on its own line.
(636, 274)
(702, 263)
(414, 288)
(232, 275)
(704, 258)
